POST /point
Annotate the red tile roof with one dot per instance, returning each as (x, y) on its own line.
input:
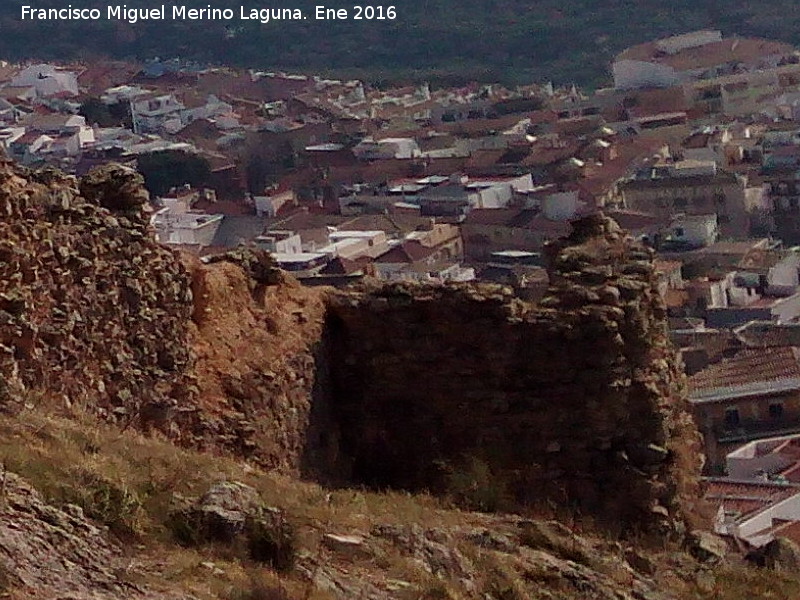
(746, 498)
(632, 220)
(761, 259)
(101, 76)
(542, 155)
(407, 252)
(499, 216)
(760, 334)
(481, 126)
(787, 529)
(709, 55)
(749, 366)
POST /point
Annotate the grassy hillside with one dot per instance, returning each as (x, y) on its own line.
(128, 482)
(443, 40)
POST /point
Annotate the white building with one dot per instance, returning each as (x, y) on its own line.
(694, 56)
(560, 206)
(371, 243)
(273, 201)
(369, 149)
(156, 112)
(760, 498)
(693, 231)
(280, 242)
(47, 80)
(196, 229)
(214, 107)
(122, 93)
(302, 263)
(9, 135)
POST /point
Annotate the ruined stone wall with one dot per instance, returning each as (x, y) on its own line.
(258, 350)
(95, 313)
(576, 402)
(92, 310)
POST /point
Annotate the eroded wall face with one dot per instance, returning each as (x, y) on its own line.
(92, 310)
(577, 402)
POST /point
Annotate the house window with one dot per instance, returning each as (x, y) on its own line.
(775, 410)
(732, 417)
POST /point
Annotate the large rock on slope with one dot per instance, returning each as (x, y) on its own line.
(48, 553)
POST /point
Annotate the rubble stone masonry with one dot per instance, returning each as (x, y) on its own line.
(92, 310)
(576, 402)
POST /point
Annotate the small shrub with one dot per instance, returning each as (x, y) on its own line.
(260, 587)
(474, 486)
(271, 540)
(185, 526)
(114, 505)
(437, 590)
(500, 581)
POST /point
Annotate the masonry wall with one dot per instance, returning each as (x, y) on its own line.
(576, 402)
(93, 312)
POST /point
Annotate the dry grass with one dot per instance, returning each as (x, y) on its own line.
(69, 458)
(744, 582)
(128, 481)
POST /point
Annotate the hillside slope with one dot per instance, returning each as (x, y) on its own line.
(68, 541)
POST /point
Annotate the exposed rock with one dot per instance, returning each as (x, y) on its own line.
(115, 187)
(781, 554)
(231, 511)
(706, 547)
(639, 562)
(219, 515)
(349, 545)
(556, 539)
(257, 264)
(48, 553)
(493, 540)
(435, 549)
(232, 496)
(594, 226)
